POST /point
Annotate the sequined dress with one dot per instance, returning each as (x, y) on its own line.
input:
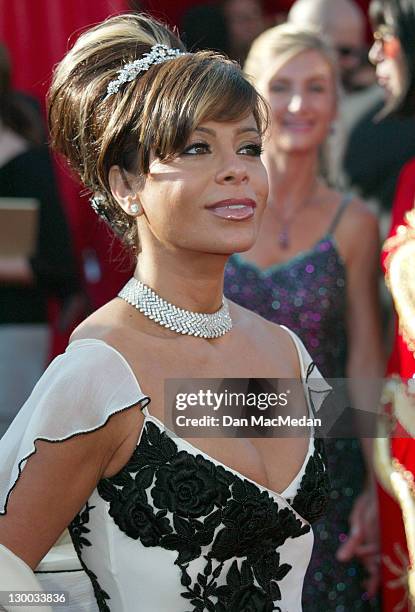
(308, 295)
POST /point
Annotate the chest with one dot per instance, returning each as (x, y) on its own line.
(168, 370)
(280, 240)
(191, 358)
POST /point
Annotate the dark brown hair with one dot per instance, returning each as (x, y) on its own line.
(400, 15)
(155, 112)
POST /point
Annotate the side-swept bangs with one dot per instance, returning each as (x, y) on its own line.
(186, 92)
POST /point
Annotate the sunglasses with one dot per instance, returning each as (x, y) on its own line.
(386, 37)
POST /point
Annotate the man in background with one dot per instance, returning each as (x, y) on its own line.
(344, 23)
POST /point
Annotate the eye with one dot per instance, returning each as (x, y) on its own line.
(278, 87)
(197, 148)
(318, 87)
(252, 149)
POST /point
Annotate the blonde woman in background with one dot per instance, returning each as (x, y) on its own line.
(314, 268)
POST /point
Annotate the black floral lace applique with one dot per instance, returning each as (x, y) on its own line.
(78, 531)
(253, 528)
(312, 497)
(195, 504)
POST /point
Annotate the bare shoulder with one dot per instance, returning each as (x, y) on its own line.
(357, 212)
(359, 217)
(356, 223)
(359, 234)
(107, 323)
(266, 337)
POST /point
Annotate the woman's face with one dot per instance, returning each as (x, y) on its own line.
(386, 54)
(302, 96)
(211, 197)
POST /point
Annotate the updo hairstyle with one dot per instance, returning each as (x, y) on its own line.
(156, 112)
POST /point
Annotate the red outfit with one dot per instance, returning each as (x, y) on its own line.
(401, 362)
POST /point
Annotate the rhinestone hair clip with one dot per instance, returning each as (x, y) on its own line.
(98, 204)
(157, 55)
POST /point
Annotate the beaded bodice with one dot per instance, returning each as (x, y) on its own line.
(307, 294)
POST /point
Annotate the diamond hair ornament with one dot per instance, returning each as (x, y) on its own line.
(97, 202)
(157, 55)
(186, 322)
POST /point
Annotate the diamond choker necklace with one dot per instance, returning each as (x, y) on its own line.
(177, 319)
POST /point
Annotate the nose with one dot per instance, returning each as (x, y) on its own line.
(375, 53)
(233, 171)
(296, 103)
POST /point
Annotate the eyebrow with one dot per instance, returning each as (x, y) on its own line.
(313, 77)
(239, 131)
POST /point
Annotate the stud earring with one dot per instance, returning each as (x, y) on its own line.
(134, 208)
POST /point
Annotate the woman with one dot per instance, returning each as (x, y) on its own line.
(170, 144)
(26, 283)
(393, 54)
(308, 271)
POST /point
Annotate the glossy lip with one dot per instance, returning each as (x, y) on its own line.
(300, 126)
(233, 202)
(222, 209)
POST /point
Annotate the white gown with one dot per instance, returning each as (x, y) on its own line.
(175, 530)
